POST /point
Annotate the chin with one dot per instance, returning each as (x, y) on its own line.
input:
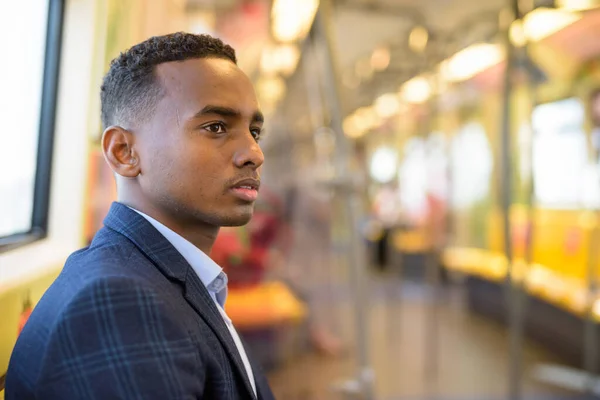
(232, 222)
(239, 218)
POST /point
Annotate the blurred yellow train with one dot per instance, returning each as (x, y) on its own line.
(554, 128)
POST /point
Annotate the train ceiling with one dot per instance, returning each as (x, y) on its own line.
(360, 26)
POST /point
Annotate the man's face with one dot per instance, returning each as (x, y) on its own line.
(199, 156)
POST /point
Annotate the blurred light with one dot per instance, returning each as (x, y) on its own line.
(577, 5)
(367, 118)
(413, 179)
(351, 128)
(364, 69)
(416, 91)
(292, 19)
(384, 164)
(270, 89)
(350, 80)
(543, 22)
(517, 34)
(471, 61)
(360, 122)
(380, 59)
(202, 22)
(472, 161)
(280, 59)
(418, 38)
(387, 105)
(596, 308)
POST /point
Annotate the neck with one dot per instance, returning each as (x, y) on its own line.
(200, 234)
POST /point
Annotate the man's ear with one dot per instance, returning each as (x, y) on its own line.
(119, 151)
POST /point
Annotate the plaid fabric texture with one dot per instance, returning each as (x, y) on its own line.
(128, 319)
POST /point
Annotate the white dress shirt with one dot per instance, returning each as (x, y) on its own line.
(211, 275)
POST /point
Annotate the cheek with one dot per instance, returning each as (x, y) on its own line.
(192, 171)
(205, 169)
(159, 168)
(161, 162)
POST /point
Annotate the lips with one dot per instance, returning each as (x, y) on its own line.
(246, 190)
(249, 183)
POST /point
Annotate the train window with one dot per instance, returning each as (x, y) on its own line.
(422, 176)
(412, 179)
(437, 166)
(472, 164)
(560, 154)
(30, 33)
(384, 162)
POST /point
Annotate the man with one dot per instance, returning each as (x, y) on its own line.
(139, 313)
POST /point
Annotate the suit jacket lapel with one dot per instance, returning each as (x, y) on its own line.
(168, 260)
(263, 390)
(197, 295)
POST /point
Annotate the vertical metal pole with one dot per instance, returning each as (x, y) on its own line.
(530, 204)
(313, 82)
(530, 183)
(513, 290)
(590, 349)
(351, 199)
(433, 279)
(333, 90)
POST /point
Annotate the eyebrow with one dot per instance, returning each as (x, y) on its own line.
(228, 112)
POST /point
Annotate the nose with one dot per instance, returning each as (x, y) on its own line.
(249, 153)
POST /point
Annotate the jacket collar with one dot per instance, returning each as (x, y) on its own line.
(171, 263)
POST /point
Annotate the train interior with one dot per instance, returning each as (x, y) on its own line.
(429, 224)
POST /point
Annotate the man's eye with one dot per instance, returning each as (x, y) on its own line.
(255, 133)
(217, 127)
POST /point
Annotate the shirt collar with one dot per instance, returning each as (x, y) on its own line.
(207, 270)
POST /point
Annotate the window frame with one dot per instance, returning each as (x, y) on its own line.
(46, 130)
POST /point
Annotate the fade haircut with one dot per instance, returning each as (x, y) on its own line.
(130, 90)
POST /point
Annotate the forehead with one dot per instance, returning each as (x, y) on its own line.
(193, 84)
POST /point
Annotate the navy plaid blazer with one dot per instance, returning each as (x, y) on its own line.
(128, 318)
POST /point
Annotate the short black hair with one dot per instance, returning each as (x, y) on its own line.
(130, 90)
